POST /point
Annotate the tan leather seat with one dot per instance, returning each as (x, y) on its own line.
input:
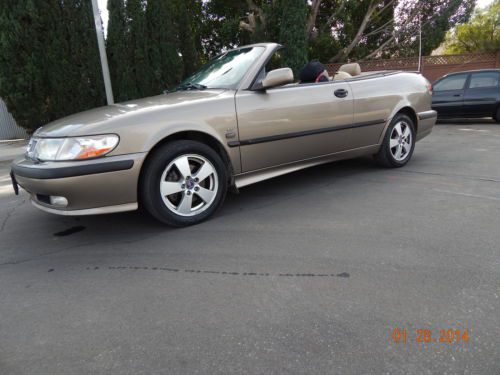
(341, 75)
(353, 69)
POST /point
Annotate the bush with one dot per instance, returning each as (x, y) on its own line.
(49, 60)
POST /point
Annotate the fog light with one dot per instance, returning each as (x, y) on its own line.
(58, 201)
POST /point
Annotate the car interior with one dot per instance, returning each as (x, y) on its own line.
(347, 71)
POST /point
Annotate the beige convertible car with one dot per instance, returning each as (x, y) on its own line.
(239, 120)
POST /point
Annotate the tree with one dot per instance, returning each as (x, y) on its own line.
(323, 44)
(480, 34)
(49, 62)
(22, 82)
(162, 41)
(220, 25)
(127, 50)
(138, 61)
(76, 69)
(117, 51)
(151, 44)
(189, 44)
(434, 17)
(48, 68)
(293, 34)
(382, 28)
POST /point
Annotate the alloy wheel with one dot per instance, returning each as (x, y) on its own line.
(189, 185)
(401, 141)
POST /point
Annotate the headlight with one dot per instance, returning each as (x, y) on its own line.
(72, 148)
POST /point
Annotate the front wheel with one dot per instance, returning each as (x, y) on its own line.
(398, 144)
(184, 183)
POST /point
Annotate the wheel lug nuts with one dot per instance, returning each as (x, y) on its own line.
(196, 179)
(183, 186)
(188, 192)
(196, 188)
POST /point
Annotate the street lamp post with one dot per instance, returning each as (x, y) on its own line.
(102, 53)
(420, 44)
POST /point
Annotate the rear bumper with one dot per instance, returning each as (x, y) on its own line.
(90, 187)
(426, 121)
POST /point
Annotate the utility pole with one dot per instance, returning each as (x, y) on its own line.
(102, 53)
(420, 44)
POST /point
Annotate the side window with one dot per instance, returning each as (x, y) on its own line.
(455, 82)
(276, 62)
(484, 79)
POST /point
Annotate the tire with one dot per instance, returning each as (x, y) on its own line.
(183, 183)
(402, 142)
(496, 117)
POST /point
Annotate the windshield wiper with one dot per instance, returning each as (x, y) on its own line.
(191, 86)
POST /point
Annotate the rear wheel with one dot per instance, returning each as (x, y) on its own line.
(184, 183)
(497, 115)
(398, 144)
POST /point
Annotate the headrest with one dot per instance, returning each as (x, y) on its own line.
(341, 75)
(353, 69)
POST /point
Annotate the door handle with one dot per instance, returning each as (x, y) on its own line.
(341, 93)
(457, 95)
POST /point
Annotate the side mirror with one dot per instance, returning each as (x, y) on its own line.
(277, 77)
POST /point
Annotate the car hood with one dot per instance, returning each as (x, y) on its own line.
(91, 121)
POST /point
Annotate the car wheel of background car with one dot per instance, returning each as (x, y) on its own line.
(497, 115)
(184, 183)
(398, 144)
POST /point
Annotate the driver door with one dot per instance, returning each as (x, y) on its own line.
(292, 123)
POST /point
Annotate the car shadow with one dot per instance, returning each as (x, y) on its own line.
(139, 224)
(295, 184)
(469, 121)
(107, 238)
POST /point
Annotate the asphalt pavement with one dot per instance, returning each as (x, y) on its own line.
(338, 269)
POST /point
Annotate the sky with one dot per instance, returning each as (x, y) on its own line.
(104, 13)
(104, 10)
(483, 3)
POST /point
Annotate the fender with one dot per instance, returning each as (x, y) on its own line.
(403, 104)
(171, 129)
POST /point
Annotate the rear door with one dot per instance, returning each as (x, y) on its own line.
(293, 122)
(481, 93)
(448, 95)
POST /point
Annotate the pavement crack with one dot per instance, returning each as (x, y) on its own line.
(476, 178)
(54, 252)
(15, 262)
(215, 272)
(467, 194)
(9, 214)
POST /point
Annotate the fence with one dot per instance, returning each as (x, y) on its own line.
(432, 67)
(8, 127)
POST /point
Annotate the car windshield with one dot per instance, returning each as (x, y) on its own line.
(224, 71)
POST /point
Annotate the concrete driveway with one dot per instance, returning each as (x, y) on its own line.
(309, 273)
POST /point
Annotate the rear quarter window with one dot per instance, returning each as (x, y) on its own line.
(484, 79)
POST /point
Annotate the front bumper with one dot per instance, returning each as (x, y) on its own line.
(98, 186)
